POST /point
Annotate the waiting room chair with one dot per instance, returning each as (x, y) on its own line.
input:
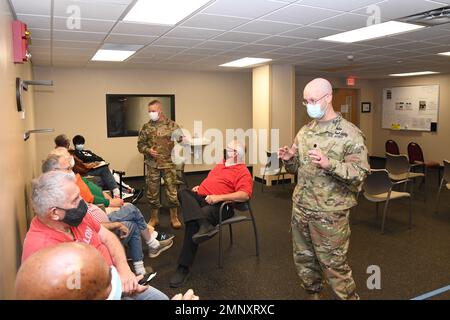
(445, 180)
(236, 218)
(400, 170)
(391, 147)
(274, 167)
(416, 160)
(378, 188)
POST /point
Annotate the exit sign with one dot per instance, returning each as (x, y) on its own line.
(350, 81)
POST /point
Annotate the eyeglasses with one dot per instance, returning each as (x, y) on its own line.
(305, 102)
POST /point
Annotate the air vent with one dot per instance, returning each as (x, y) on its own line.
(430, 18)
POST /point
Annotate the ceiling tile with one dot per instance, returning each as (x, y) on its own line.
(40, 33)
(316, 44)
(222, 45)
(41, 7)
(246, 9)
(281, 41)
(301, 15)
(75, 44)
(78, 35)
(34, 21)
(266, 27)
(292, 51)
(351, 47)
(140, 29)
(129, 39)
(415, 45)
(394, 9)
(383, 42)
(88, 9)
(345, 22)
(240, 37)
(210, 21)
(423, 34)
(177, 42)
(311, 32)
(86, 25)
(339, 5)
(193, 33)
(160, 49)
(202, 51)
(40, 43)
(254, 48)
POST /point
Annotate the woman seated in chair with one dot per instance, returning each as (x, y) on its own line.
(229, 180)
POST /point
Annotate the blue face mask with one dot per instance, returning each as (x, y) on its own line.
(116, 285)
(315, 111)
(79, 147)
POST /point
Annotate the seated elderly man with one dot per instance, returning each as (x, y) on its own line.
(227, 181)
(61, 217)
(127, 222)
(71, 271)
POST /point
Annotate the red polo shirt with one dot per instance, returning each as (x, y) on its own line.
(41, 236)
(224, 180)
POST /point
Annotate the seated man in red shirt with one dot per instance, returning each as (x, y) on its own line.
(61, 217)
(227, 181)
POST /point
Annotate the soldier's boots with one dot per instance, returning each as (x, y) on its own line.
(176, 224)
(154, 219)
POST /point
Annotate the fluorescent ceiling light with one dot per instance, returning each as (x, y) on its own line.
(445, 53)
(167, 12)
(407, 74)
(372, 32)
(245, 62)
(112, 55)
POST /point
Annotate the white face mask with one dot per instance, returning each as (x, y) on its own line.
(79, 147)
(315, 110)
(154, 116)
(116, 285)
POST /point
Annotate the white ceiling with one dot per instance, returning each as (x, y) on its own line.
(283, 30)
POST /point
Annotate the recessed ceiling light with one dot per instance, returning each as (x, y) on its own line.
(372, 32)
(408, 74)
(245, 62)
(167, 12)
(112, 55)
(445, 53)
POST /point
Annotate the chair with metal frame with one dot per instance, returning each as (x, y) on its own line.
(417, 160)
(274, 167)
(391, 147)
(445, 180)
(236, 218)
(378, 188)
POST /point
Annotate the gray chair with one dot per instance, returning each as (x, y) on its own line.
(273, 167)
(445, 180)
(399, 169)
(236, 218)
(378, 188)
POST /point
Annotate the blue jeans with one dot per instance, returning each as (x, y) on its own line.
(133, 241)
(107, 179)
(149, 294)
(130, 213)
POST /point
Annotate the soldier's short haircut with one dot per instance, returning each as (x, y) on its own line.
(153, 102)
(62, 141)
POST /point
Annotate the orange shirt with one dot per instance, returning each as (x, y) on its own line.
(85, 193)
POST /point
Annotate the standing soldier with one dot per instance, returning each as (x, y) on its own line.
(330, 156)
(156, 141)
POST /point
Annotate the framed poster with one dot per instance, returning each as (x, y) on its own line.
(365, 107)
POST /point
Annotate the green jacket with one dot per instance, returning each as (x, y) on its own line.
(336, 188)
(97, 192)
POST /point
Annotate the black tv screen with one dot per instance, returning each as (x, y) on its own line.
(127, 113)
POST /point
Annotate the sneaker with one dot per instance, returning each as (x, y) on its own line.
(163, 246)
(164, 237)
(179, 277)
(126, 195)
(204, 233)
(138, 193)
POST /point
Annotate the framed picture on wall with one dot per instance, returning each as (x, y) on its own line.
(365, 107)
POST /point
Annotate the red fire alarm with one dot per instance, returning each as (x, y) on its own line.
(20, 41)
(350, 81)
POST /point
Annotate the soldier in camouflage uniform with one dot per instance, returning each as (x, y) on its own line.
(156, 141)
(330, 158)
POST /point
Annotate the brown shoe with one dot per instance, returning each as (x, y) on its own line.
(176, 224)
(154, 220)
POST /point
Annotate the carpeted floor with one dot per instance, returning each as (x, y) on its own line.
(412, 262)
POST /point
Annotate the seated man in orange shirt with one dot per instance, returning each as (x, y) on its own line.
(227, 181)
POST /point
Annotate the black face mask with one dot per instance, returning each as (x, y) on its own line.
(74, 216)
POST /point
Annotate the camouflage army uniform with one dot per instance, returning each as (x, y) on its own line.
(321, 203)
(161, 135)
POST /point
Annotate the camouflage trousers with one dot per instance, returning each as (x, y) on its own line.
(153, 181)
(320, 242)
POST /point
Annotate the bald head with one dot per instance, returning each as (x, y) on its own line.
(318, 87)
(67, 271)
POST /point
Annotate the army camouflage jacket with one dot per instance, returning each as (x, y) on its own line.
(161, 135)
(333, 189)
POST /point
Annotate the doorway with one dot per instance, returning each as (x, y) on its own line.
(345, 101)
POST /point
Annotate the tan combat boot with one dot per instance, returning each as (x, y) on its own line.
(154, 220)
(176, 224)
